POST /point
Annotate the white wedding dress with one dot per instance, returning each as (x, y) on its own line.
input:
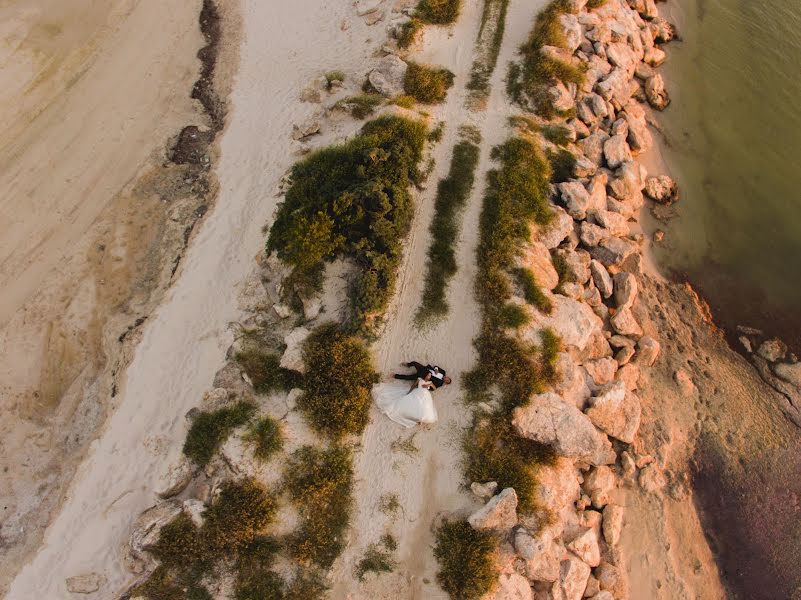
(405, 407)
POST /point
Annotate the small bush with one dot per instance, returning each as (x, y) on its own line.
(426, 84)
(465, 556)
(267, 585)
(320, 483)
(408, 33)
(435, 135)
(266, 437)
(452, 194)
(333, 76)
(181, 544)
(556, 134)
(493, 451)
(336, 398)
(439, 12)
(353, 200)
(512, 316)
(376, 560)
(265, 371)
(532, 292)
(240, 512)
(362, 106)
(209, 430)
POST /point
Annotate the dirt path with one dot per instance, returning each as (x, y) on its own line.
(428, 481)
(184, 343)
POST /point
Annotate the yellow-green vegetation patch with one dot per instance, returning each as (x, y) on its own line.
(591, 4)
(264, 370)
(452, 194)
(377, 558)
(532, 292)
(409, 32)
(353, 200)
(334, 76)
(361, 106)
(240, 512)
(336, 398)
(563, 164)
(427, 84)
(439, 12)
(406, 102)
(320, 484)
(209, 430)
(465, 556)
(266, 436)
(538, 70)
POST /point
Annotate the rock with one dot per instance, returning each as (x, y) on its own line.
(630, 180)
(662, 30)
(580, 130)
(541, 554)
(550, 420)
(613, 523)
(630, 375)
(620, 341)
(577, 264)
(484, 490)
(576, 199)
(626, 289)
(614, 222)
(655, 57)
(593, 146)
(585, 546)
(601, 278)
(789, 372)
(599, 484)
(145, 532)
(685, 383)
(374, 17)
(620, 127)
(584, 167)
(511, 586)
(624, 323)
(623, 56)
(591, 234)
(611, 580)
(624, 355)
(656, 93)
(561, 98)
(536, 258)
(597, 191)
(499, 514)
(661, 189)
(571, 29)
(652, 479)
(617, 86)
(772, 350)
(558, 486)
(648, 350)
(364, 7)
(644, 71)
(312, 305)
(616, 151)
(196, 510)
(84, 584)
(293, 355)
(570, 383)
(573, 321)
(557, 230)
(601, 370)
(309, 127)
(639, 138)
(612, 251)
(627, 464)
(175, 480)
(389, 76)
(616, 411)
(602, 595)
(282, 310)
(593, 587)
(573, 578)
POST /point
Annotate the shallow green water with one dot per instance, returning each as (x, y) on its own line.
(734, 135)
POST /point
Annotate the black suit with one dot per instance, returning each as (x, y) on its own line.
(421, 371)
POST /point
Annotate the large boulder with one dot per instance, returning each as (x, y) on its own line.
(662, 30)
(499, 514)
(648, 350)
(613, 523)
(616, 411)
(558, 486)
(176, 478)
(617, 86)
(585, 546)
(625, 289)
(557, 230)
(623, 56)
(389, 76)
(614, 222)
(145, 533)
(573, 577)
(573, 321)
(601, 278)
(576, 198)
(613, 251)
(661, 189)
(789, 372)
(593, 146)
(616, 151)
(541, 554)
(656, 93)
(550, 420)
(570, 383)
(511, 586)
(536, 258)
(561, 98)
(571, 28)
(293, 355)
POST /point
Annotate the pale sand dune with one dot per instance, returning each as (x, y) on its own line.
(285, 45)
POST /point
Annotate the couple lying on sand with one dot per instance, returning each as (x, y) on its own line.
(410, 406)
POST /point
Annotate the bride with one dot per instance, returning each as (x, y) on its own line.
(405, 406)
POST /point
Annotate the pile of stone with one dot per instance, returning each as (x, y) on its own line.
(591, 417)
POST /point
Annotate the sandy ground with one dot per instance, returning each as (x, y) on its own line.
(91, 91)
(184, 343)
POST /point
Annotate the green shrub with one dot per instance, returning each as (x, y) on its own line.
(452, 194)
(237, 516)
(556, 134)
(532, 292)
(436, 134)
(512, 316)
(493, 451)
(267, 585)
(209, 430)
(265, 371)
(549, 352)
(319, 483)
(439, 12)
(353, 200)
(336, 398)
(465, 556)
(377, 559)
(169, 584)
(563, 165)
(333, 76)
(266, 437)
(181, 544)
(408, 33)
(426, 84)
(308, 584)
(404, 102)
(362, 106)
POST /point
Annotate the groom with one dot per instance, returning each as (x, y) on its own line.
(438, 376)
